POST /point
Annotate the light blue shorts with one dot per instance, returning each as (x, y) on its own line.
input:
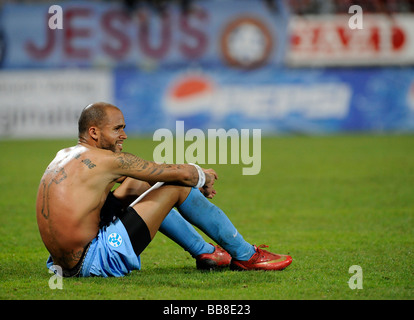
(110, 253)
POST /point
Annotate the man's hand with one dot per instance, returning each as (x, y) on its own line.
(207, 190)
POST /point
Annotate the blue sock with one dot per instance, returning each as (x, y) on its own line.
(183, 233)
(209, 218)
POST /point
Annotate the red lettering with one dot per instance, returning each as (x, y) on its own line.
(110, 20)
(38, 52)
(295, 39)
(344, 36)
(398, 38)
(71, 33)
(154, 35)
(165, 38)
(199, 37)
(316, 37)
(374, 39)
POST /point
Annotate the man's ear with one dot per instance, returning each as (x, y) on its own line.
(94, 133)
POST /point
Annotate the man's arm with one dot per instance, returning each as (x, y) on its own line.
(130, 165)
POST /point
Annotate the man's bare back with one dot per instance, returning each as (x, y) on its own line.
(71, 194)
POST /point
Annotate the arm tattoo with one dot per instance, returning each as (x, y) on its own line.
(131, 162)
(150, 169)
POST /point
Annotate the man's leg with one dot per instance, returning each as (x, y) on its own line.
(201, 212)
(198, 210)
(155, 206)
(212, 220)
(183, 233)
(174, 226)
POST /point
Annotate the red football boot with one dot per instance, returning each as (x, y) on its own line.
(210, 261)
(262, 260)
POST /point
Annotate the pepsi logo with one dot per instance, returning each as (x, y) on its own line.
(189, 94)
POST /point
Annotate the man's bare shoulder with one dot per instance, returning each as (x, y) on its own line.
(104, 160)
(83, 154)
(84, 149)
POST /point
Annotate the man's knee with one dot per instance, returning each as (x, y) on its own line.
(181, 192)
(130, 189)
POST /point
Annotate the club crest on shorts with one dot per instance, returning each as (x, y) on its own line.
(115, 240)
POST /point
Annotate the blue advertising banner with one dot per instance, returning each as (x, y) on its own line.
(220, 66)
(215, 33)
(275, 101)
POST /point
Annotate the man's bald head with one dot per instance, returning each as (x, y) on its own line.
(93, 115)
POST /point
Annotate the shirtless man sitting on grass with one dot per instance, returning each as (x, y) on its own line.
(90, 230)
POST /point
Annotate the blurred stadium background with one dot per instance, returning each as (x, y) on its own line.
(287, 67)
(284, 66)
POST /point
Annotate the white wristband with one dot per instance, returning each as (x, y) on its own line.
(201, 176)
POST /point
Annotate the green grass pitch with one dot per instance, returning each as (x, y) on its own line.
(329, 201)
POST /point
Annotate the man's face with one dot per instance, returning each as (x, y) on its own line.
(112, 132)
